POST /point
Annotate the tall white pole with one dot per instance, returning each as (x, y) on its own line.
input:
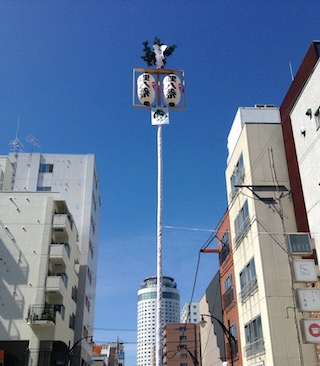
(159, 334)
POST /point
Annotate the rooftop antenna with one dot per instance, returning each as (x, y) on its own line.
(16, 144)
(291, 72)
(32, 141)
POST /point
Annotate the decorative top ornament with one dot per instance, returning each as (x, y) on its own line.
(157, 56)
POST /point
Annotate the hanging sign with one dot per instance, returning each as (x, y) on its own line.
(159, 116)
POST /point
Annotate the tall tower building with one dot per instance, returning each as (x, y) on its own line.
(73, 179)
(147, 301)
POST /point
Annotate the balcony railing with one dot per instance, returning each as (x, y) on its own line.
(224, 253)
(242, 231)
(235, 350)
(248, 289)
(255, 347)
(41, 314)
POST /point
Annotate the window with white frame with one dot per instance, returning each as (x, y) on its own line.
(237, 176)
(254, 337)
(248, 280)
(242, 223)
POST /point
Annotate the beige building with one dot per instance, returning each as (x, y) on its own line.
(261, 215)
(210, 351)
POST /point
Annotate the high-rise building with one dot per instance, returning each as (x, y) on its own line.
(190, 313)
(71, 180)
(147, 302)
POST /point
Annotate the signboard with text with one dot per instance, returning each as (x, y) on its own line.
(311, 330)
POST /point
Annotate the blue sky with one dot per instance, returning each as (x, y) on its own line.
(66, 72)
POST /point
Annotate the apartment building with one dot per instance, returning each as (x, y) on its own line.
(190, 313)
(181, 344)
(39, 278)
(261, 214)
(74, 177)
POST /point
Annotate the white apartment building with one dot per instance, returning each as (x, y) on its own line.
(261, 215)
(147, 302)
(39, 258)
(190, 313)
(75, 178)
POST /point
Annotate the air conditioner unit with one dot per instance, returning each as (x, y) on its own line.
(299, 243)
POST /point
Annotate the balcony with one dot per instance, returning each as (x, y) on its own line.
(255, 347)
(59, 255)
(56, 286)
(62, 228)
(41, 315)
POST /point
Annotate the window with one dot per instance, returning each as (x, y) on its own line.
(317, 117)
(182, 329)
(43, 189)
(46, 168)
(74, 292)
(89, 275)
(237, 176)
(85, 331)
(183, 355)
(254, 337)
(248, 280)
(228, 296)
(225, 248)
(242, 223)
(72, 321)
(228, 283)
(64, 278)
(60, 309)
(67, 248)
(88, 303)
(91, 249)
(93, 225)
(94, 202)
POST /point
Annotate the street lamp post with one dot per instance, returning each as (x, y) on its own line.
(193, 357)
(71, 350)
(231, 339)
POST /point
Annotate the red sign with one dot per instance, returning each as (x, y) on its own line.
(1, 355)
(314, 330)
